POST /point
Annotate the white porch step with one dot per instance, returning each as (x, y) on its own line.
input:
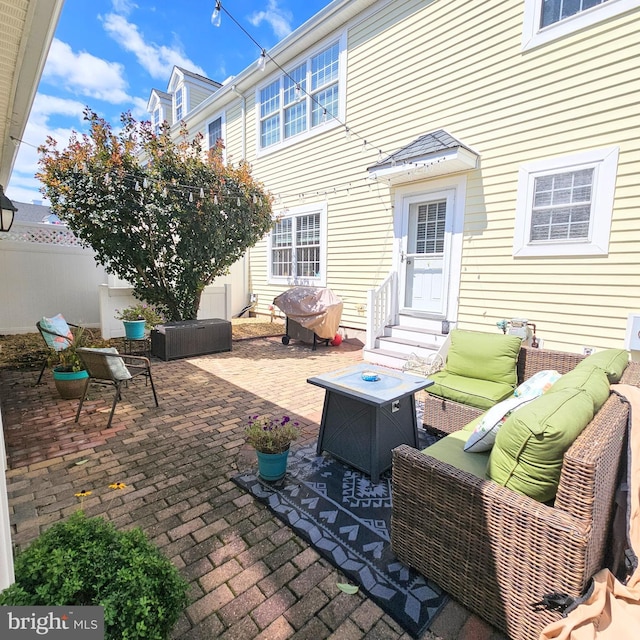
(397, 344)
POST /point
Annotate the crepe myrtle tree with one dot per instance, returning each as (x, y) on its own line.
(164, 215)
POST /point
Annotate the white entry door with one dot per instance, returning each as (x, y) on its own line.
(425, 259)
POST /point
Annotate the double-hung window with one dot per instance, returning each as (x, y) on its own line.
(214, 132)
(565, 205)
(302, 99)
(178, 98)
(297, 247)
(156, 120)
(547, 20)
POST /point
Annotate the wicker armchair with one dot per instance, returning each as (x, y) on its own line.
(447, 416)
(498, 552)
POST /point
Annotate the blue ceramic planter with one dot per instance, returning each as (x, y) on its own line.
(272, 466)
(134, 329)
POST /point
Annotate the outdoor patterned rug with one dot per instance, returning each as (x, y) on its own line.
(347, 519)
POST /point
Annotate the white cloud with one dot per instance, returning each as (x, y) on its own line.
(84, 74)
(277, 18)
(157, 60)
(123, 7)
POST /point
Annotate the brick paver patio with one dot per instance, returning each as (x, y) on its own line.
(250, 576)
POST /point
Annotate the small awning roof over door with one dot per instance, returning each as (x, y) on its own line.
(433, 154)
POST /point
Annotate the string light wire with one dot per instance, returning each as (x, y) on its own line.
(264, 56)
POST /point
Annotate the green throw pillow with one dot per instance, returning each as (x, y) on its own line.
(612, 361)
(528, 453)
(485, 356)
(591, 379)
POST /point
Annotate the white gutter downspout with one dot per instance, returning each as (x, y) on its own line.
(243, 115)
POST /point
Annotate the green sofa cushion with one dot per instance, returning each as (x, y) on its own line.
(528, 453)
(482, 394)
(591, 379)
(450, 449)
(612, 361)
(484, 356)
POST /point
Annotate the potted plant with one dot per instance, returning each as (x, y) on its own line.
(69, 374)
(138, 318)
(271, 438)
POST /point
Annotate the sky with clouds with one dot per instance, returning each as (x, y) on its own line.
(110, 54)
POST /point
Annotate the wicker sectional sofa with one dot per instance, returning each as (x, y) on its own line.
(494, 550)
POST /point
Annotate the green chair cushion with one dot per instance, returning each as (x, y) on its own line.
(450, 449)
(485, 356)
(482, 394)
(612, 361)
(528, 453)
(591, 379)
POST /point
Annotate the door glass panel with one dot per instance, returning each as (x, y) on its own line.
(431, 219)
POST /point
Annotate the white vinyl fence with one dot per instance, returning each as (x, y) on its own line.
(45, 271)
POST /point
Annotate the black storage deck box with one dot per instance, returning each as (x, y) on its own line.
(191, 338)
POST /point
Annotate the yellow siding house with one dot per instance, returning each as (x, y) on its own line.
(448, 163)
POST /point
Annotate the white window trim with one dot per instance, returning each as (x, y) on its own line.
(533, 36)
(605, 164)
(306, 209)
(331, 123)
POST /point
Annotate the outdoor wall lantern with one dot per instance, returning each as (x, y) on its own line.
(8, 211)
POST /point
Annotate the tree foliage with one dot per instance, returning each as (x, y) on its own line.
(164, 215)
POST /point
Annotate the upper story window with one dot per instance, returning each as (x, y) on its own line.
(178, 98)
(156, 120)
(547, 20)
(297, 247)
(565, 205)
(555, 10)
(214, 132)
(307, 97)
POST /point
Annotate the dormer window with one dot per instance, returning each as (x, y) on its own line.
(156, 120)
(178, 97)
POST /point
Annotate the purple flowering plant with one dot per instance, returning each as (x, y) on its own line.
(271, 435)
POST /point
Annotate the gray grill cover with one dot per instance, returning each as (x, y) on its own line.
(314, 308)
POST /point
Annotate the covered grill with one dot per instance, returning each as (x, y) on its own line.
(312, 313)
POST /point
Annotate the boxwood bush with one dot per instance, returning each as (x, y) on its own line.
(87, 561)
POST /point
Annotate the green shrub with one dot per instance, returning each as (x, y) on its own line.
(87, 561)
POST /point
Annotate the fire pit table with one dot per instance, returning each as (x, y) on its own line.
(368, 411)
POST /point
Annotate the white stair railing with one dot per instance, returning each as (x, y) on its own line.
(382, 308)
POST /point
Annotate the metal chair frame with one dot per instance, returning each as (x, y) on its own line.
(97, 366)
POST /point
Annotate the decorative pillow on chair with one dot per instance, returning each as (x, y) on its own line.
(484, 435)
(116, 365)
(59, 325)
(537, 384)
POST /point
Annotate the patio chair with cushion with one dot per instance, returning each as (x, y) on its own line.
(107, 366)
(58, 335)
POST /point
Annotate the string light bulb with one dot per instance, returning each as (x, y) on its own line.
(215, 199)
(298, 92)
(216, 16)
(201, 193)
(262, 60)
(190, 196)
